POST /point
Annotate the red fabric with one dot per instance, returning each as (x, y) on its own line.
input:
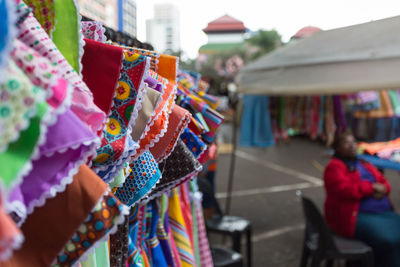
(101, 69)
(344, 191)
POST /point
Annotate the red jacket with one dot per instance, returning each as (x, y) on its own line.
(344, 191)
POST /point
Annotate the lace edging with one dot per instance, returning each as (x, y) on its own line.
(14, 244)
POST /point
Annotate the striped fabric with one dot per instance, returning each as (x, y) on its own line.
(180, 235)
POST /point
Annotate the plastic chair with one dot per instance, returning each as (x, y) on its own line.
(227, 225)
(320, 244)
(223, 257)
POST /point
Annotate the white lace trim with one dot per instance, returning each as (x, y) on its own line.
(124, 213)
(14, 244)
(13, 30)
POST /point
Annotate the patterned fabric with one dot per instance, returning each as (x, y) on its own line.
(151, 54)
(68, 144)
(8, 31)
(177, 122)
(156, 252)
(179, 231)
(119, 245)
(44, 12)
(103, 219)
(94, 30)
(100, 257)
(145, 174)
(127, 102)
(66, 34)
(44, 239)
(18, 102)
(179, 167)
(134, 259)
(32, 34)
(22, 11)
(193, 143)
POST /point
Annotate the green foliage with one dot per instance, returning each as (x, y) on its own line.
(264, 42)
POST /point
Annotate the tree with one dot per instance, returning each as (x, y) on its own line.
(263, 42)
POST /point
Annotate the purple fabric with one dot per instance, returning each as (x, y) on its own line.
(154, 84)
(339, 114)
(49, 171)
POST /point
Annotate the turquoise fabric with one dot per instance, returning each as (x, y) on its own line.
(382, 232)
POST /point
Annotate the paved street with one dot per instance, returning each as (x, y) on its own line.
(265, 187)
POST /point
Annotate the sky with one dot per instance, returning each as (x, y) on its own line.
(285, 16)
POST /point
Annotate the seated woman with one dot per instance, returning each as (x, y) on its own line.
(357, 203)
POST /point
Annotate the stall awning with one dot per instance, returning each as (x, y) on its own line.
(344, 60)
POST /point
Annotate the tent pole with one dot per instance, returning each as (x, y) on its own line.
(233, 159)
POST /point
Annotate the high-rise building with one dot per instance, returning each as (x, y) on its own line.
(127, 17)
(163, 31)
(100, 10)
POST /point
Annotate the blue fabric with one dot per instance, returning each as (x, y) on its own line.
(381, 231)
(5, 37)
(256, 127)
(370, 204)
(380, 163)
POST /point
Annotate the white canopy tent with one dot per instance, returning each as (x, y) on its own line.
(343, 60)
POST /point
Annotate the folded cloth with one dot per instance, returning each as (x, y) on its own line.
(44, 239)
(115, 148)
(31, 33)
(152, 55)
(144, 175)
(151, 101)
(69, 144)
(44, 12)
(193, 143)
(179, 167)
(178, 121)
(168, 67)
(104, 219)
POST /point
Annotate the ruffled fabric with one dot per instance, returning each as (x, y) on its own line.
(193, 143)
(45, 239)
(8, 31)
(82, 99)
(145, 174)
(150, 103)
(66, 34)
(127, 103)
(28, 134)
(178, 121)
(150, 54)
(44, 12)
(68, 144)
(104, 219)
(94, 30)
(11, 237)
(178, 168)
(17, 106)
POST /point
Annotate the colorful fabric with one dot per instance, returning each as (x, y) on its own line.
(44, 239)
(145, 174)
(150, 103)
(151, 54)
(66, 33)
(127, 103)
(22, 11)
(168, 67)
(177, 122)
(193, 143)
(104, 218)
(179, 167)
(99, 258)
(8, 31)
(179, 232)
(18, 103)
(94, 30)
(68, 144)
(156, 252)
(134, 258)
(44, 12)
(32, 34)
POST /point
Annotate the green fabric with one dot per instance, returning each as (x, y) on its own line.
(118, 180)
(195, 228)
(103, 255)
(90, 262)
(394, 99)
(19, 153)
(66, 33)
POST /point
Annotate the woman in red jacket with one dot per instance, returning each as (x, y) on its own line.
(357, 203)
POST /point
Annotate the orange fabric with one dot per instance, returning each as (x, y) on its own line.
(167, 67)
(373, 148)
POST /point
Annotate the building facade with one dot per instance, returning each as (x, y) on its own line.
(100, 10)
(163, 31)
(127, 17)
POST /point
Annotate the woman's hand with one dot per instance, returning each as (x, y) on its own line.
(380, 190)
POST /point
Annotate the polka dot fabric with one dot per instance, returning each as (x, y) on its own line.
(44, 13)
(103, 218)
(144, 175)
